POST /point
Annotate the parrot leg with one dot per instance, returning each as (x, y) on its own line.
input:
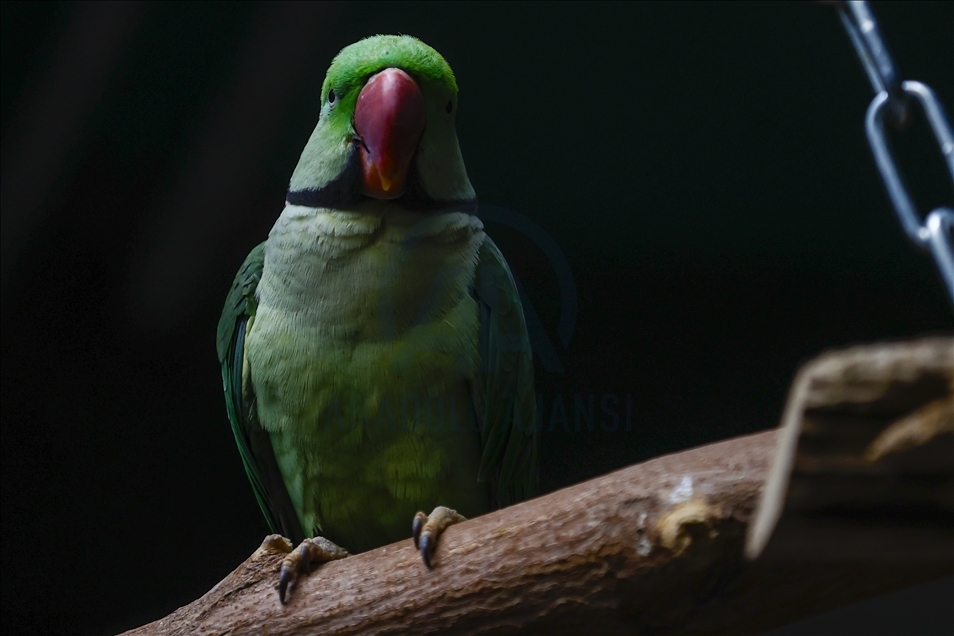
(299, 561)
(427, 529)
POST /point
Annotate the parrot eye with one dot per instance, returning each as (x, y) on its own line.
(332, 97)
(450, 107)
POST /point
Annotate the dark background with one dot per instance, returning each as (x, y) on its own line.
(703, 168)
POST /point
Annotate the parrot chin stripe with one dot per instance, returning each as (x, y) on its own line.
(344, 192)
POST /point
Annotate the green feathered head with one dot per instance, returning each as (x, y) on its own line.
(385, 131)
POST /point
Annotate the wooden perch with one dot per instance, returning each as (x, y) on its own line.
(865, 465)
(655, 547)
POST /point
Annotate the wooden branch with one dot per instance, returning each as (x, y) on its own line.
(865, 465)
(654, 547)
(639, 542)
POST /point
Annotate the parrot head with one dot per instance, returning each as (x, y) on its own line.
(385, 131)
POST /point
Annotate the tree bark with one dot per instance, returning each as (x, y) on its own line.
(653, 548)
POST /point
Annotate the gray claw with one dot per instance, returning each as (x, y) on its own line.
(416, 528)
(427, 549)
(283, 580)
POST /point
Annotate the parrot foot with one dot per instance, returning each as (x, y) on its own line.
(427, 528)
(299, 561)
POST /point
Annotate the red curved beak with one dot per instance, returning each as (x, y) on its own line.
(389, 117)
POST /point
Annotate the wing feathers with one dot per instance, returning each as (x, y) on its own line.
(254, 444)
(504, 399)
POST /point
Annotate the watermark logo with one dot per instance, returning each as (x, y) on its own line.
(496, 286)
(438, 413)
(539, 339)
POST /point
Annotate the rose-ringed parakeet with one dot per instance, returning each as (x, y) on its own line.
(374, 349)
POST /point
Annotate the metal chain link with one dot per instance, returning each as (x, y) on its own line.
(892, 104)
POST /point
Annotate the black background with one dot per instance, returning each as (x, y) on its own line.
(702, 167)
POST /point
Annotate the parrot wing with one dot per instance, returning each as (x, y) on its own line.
(253, 441)
(503, 394)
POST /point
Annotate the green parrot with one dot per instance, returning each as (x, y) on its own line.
(374, 350)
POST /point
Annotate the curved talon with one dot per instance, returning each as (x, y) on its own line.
(427, 549)
(300, 560)
(427, 529)
(283, 580)
(292, 565)
(416, 526)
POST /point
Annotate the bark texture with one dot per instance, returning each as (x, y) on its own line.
(659, 547)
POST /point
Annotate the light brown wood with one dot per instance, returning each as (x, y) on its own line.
(639, 543)
(657, 547)
(865, 465)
